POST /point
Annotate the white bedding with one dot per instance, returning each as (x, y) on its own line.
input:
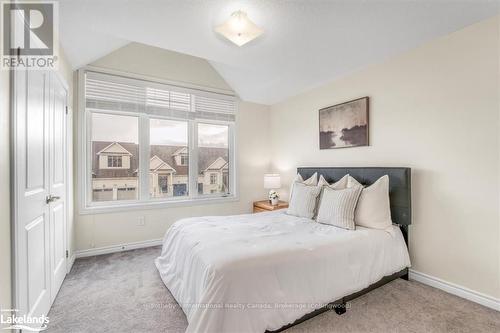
(251, 273)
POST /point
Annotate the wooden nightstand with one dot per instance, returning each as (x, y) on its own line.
(265, 206)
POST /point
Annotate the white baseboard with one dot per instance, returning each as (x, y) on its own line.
(117, 248)
(471, 295)
(70, 263)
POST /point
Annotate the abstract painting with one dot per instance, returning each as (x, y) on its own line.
(344, 125)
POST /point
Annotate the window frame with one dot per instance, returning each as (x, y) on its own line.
(113, 159)
(214, 180)
(144, 201)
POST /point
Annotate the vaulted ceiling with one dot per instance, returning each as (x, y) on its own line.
(305, 44)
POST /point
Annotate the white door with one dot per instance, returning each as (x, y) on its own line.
(39, 178)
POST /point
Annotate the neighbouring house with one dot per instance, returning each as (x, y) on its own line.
(115, 168)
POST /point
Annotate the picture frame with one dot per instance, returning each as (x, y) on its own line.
(344, 125)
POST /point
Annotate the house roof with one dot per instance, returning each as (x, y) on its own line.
(206, 157)
(114, 148)
(182, 150)
(218, 164)
(99, 147)
(156, 163)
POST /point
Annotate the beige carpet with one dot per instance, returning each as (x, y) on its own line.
(122, 292)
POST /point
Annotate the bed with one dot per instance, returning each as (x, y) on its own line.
(268, 271)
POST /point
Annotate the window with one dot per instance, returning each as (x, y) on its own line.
(168, 148)
(114, 157)
(114, 161)
(214, 161)
(148, 143)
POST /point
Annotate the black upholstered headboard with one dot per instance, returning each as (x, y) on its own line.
(399, 187)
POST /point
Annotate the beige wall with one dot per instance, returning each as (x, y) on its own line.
(435, 109)
(163, 64)
(498, 201)
(5, 272)
(253, 158)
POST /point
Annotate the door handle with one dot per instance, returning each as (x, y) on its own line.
(51, 198)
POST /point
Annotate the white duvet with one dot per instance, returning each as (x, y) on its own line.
(251, 273)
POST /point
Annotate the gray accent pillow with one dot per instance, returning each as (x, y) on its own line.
(303, 200)
(337, 207)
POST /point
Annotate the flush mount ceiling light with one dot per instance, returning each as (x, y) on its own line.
(239, 29)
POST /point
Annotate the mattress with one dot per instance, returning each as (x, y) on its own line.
(258, 272)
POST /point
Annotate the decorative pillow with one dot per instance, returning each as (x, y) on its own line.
(337, 207)
(339, 185)
(313, 180)
(303, 201)
(374, 209)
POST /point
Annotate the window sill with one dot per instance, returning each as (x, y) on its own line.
(160, 204)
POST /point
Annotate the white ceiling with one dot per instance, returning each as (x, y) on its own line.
(305, 44)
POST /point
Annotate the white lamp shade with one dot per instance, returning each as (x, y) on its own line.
(272, 181)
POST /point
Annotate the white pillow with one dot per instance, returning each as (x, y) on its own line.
(373, 209)
(303, 201)
(339, 185)
(337, 207)
(313, 180)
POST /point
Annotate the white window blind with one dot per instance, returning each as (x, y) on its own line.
(111, 92)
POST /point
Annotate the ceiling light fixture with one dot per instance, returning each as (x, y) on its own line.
(239, 29)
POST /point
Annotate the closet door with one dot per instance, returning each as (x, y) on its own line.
(31, 169)
(39, 124)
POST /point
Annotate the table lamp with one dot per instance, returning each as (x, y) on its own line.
(272, 182)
